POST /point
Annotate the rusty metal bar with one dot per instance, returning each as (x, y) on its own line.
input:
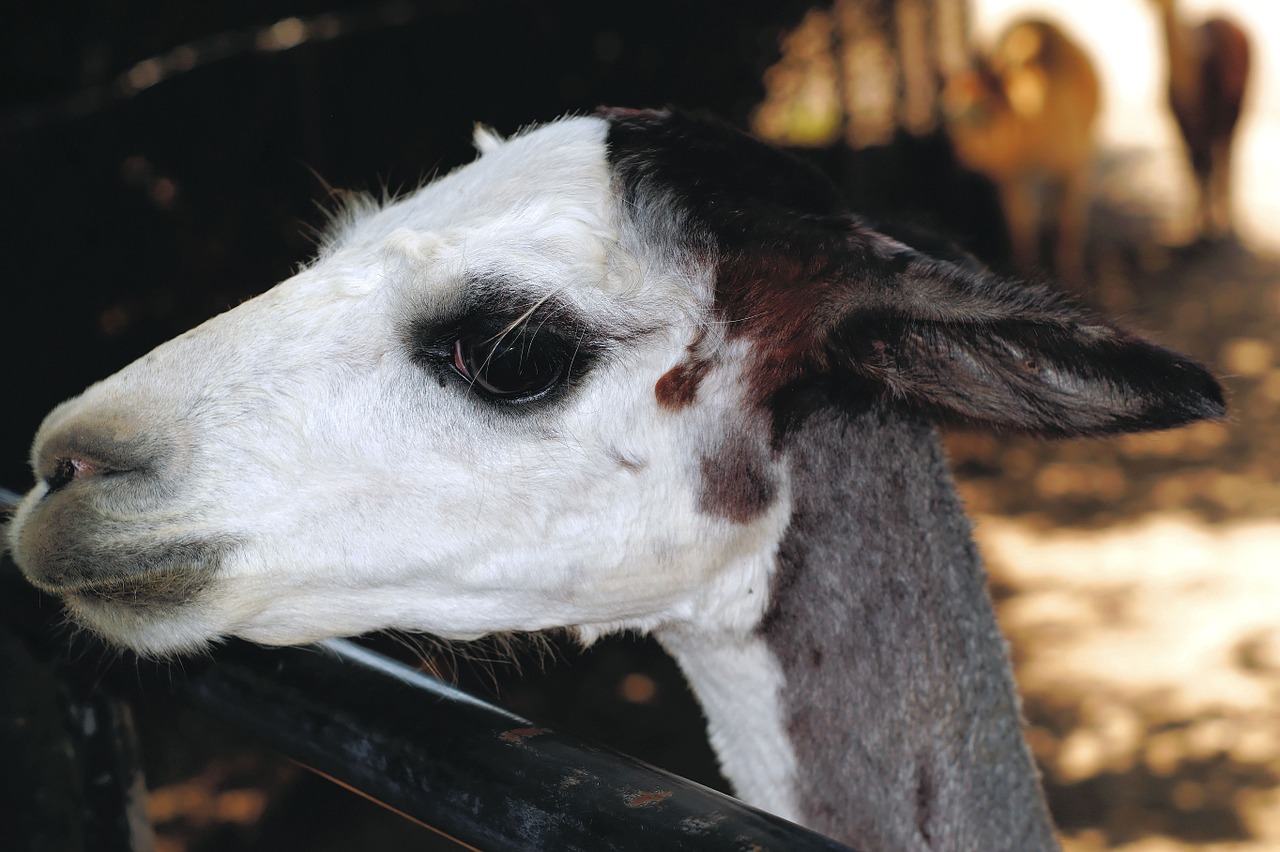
(468, 769)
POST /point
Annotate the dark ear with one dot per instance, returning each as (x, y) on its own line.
(823, 296)
(953, 339)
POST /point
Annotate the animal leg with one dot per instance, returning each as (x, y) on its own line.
(1021, 214)
(1218, 189)
(1073, 223)
(1202, 220)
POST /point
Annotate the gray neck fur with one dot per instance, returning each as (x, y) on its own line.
(899, 699)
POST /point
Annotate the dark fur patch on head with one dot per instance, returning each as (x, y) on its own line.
(716, 167)
(738, 481)
(678, 387)
(782, 229)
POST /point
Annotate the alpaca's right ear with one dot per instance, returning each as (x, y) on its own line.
(958, 341)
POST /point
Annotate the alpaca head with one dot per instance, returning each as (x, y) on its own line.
(552, 388)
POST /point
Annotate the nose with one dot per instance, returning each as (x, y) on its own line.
(112, 482)
(81, 452)
(96, 445)
(67, 469)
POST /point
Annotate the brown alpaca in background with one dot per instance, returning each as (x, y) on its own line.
(1024, 116)
(1208, 71)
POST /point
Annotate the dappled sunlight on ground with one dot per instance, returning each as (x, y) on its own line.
(1149, 660)
(1193, 605)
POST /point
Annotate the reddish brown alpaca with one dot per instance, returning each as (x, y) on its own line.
(1208, 70)
(1024, 116)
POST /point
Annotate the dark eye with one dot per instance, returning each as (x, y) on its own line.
(516, 367)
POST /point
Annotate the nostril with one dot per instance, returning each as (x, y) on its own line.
(84, 451)
(67, 470)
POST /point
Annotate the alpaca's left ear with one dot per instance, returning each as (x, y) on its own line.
(956, 340)
(822, 295)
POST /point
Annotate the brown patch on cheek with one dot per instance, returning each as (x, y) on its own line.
(678, 387)
(737, 483)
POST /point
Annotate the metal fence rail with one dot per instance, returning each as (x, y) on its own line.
(477, 773)
(468, 769)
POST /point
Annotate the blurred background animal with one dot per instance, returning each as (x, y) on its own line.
(1024, 116)
(1208, 74)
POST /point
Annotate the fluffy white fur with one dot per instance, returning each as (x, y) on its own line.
(738, 682)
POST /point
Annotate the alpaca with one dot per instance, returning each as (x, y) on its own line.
(627, 371)
(1024, 116)
(1208, 73)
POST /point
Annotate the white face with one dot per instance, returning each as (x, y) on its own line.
(316, 462)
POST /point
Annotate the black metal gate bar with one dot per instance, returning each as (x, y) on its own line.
(470, 770)
(70, 776)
